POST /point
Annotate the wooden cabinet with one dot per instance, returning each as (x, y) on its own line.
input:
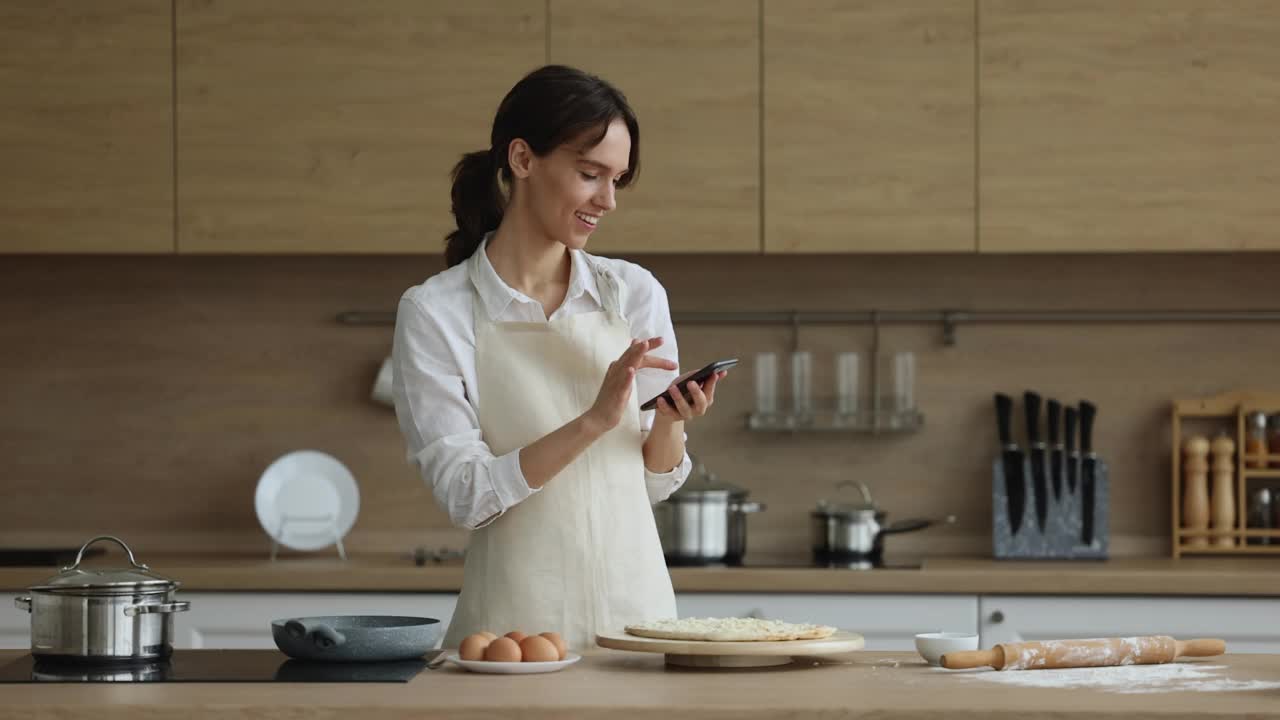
(87, 138)
(1247, 624)
(330, 126)
(243, 620)
(691, 71)
(868, 126)
(1130, 126)
(887, 622)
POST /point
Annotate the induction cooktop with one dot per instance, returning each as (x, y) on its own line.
(209, 666)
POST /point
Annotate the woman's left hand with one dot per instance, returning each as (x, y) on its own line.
(703, 396)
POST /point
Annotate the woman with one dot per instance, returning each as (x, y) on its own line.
(519, 371)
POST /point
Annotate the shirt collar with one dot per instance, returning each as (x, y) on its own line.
(497, 295)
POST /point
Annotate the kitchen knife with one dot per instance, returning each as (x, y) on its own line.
(1073, 455)
(1039, 484)
(1088, 473)
(1014, 484)
(1055, 448)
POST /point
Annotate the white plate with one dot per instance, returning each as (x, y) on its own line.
(512, 668)
(304, 497)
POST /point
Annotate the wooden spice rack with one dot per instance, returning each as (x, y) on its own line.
(1228, 407)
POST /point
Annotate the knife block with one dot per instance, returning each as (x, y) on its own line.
(1061, 537)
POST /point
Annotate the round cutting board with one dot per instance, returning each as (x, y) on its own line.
(700, 653)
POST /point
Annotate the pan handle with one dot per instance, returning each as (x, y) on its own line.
(914, 524)
(322, 635)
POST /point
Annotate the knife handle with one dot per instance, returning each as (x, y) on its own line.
(1087, 412)
(1055, 420)
(1004, 415)
(1031, 404)
(1069, 422)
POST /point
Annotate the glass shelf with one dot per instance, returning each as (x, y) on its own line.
(886, 421)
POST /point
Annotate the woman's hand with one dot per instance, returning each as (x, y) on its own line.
(615, 390)
(703, 396)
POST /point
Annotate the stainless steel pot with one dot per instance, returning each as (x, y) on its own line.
(106, 614)
(845, 531)
(704, 521)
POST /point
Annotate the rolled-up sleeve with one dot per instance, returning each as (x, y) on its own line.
(441, 429)
(649, 315)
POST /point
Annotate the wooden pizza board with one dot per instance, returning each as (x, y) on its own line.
(700, 653)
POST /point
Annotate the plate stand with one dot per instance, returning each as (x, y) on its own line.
(323, 520)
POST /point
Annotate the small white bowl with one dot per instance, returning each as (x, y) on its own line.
(932, 646)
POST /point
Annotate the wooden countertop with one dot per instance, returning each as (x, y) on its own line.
(390, 573)
(616, 685)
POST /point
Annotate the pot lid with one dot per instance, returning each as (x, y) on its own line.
(849, 507)
(75, 580)
(703, 483)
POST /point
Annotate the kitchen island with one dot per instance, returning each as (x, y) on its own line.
(618, 685)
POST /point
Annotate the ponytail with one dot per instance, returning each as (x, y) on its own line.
(477, 205)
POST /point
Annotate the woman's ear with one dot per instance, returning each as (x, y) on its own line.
(519, 158)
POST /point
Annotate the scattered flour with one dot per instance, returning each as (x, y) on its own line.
(1168, 677)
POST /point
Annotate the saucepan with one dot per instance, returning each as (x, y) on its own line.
(855, 530)
(356, 638)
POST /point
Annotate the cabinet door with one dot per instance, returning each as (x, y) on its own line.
(868, 126)
(331, 126)
(888, 622)
(1247, 624)
(1129, 126)
(87, 136)
(243, 620)
(15, 627)
(691, 71)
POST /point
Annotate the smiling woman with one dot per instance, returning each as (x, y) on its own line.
(518, 375)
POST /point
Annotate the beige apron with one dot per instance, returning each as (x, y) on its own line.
(582, 555)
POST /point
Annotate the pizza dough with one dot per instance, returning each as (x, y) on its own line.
(729, 630)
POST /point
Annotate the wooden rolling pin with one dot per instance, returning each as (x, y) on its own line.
(1099, 652)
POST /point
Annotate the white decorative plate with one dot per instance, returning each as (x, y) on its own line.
(304, 497)
(512, 668)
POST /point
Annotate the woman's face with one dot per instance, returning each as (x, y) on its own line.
(573, 187)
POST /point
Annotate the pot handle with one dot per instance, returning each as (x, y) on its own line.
(748, 507)
(914, 524)
(170, 607)
(23, 603)
(112, 538)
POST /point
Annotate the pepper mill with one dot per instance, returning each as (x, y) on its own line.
(1195, 496)
(1222, 505)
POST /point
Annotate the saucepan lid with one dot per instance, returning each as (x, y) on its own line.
(857, 508)
(76, 580)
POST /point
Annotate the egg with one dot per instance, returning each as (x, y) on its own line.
(536, 648)
(516, 635)
(504, 649)
(558, 641)
(489, 635)
(473, 647)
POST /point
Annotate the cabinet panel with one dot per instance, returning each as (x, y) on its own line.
(87, 138)
(243, 620)
(868, 126)
(328, 126)
(888, 622)
(1247, 624)
(691, 71)
(1129, 126)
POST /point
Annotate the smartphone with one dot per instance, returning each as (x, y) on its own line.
(699, 377)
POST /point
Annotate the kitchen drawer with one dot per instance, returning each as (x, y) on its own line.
(888, 622)
(1249, 625)
(243, 620)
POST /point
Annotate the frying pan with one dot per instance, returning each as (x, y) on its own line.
(356, 638)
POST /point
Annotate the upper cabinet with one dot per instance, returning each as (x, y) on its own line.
(1129, 126)
(869, 126)
(331, 126)
(86, 90)
(691, 71)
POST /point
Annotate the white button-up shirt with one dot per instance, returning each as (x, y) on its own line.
(437, 396)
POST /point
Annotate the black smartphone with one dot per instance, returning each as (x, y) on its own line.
(699, 377)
